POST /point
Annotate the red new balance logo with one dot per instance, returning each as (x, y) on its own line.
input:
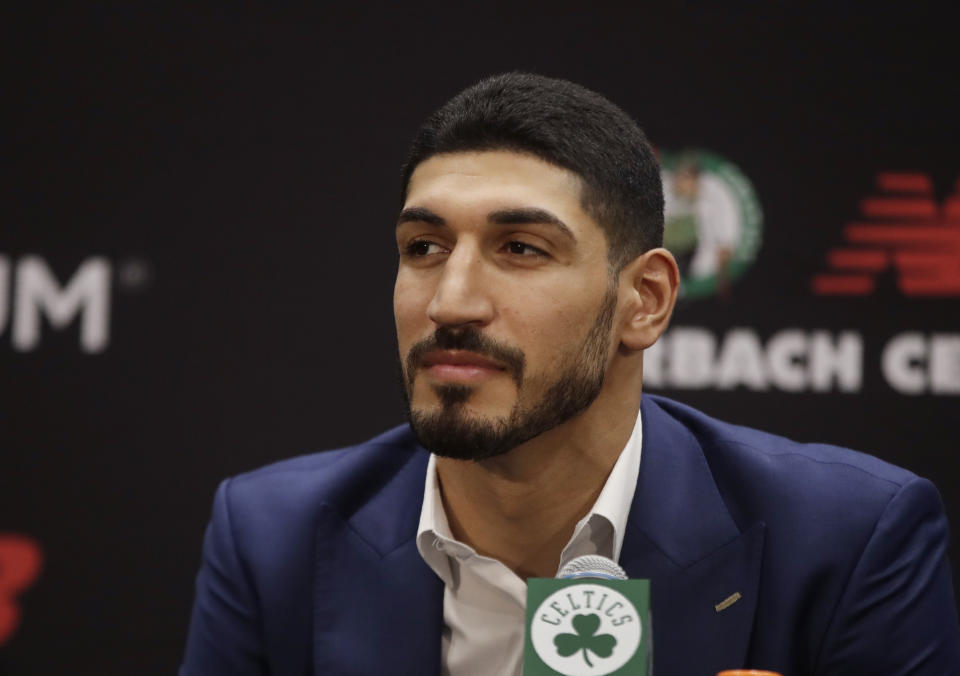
(903, 229)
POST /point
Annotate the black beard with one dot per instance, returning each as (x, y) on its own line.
(450, 432)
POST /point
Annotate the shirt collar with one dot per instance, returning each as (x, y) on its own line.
(434, 529)
(616, 497)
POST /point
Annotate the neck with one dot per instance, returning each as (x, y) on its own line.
(521, 507)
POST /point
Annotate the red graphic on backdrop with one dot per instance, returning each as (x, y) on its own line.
(20, 561)
(903, 229)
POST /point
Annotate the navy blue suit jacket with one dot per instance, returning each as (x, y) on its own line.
(310, 565)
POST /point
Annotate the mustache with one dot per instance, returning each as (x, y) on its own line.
(471, 340)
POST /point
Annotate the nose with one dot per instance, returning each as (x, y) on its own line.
(462, 295)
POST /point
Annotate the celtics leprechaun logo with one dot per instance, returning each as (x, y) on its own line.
(713, 221)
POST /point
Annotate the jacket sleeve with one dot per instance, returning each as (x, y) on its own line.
(224, 636)
(897, 614)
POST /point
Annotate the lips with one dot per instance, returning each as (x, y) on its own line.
(459, 358)
(459, 365)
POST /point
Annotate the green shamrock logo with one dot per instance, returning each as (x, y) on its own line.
(586, 639)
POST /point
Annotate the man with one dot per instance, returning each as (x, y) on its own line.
(530, 281)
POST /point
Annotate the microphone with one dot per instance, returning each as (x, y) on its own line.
(588, 621)
(592, 566)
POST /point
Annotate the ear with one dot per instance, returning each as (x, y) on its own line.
(654, 280)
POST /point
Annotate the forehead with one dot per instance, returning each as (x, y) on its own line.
(493, 179)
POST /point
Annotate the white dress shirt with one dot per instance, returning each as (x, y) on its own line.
(484, 602)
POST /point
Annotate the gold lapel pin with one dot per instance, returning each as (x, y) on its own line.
(729, 601)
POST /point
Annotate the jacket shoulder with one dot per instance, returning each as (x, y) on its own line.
(279, 503)
(322, 461)
(264, 541)
(770, 478)
(270, 516)
(324, 472)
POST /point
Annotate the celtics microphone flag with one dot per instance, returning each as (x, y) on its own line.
(589, 621)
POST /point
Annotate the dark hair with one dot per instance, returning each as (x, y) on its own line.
(567, 125)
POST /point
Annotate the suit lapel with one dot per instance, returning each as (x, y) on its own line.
(704, 572)
(378, 608)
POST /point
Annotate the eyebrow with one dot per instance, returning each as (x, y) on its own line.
(522, 215)
(420, 215)
(516, 216)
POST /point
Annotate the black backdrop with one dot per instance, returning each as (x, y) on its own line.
(232, 176)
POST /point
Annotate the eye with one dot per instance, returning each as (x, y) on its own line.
(422, 247)
(518, 248)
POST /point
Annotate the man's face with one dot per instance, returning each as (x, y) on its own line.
(503, 301)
